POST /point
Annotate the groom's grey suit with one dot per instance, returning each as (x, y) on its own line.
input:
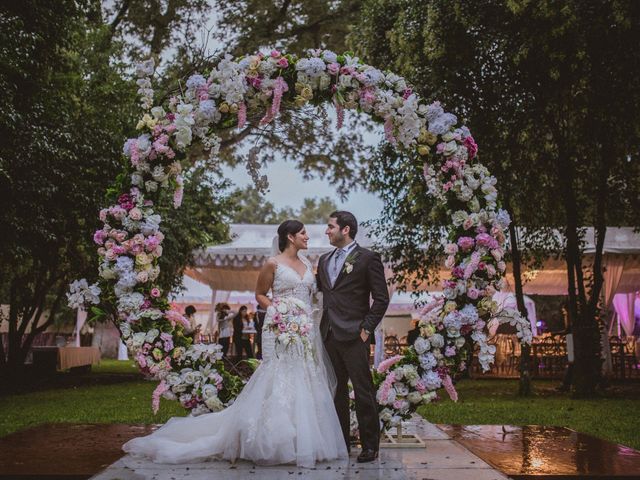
(347, 309)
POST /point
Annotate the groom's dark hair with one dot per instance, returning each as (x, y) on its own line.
(346, 219)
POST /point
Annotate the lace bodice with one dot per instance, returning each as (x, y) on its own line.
(288, 283)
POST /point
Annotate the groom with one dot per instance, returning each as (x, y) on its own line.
(349, 277)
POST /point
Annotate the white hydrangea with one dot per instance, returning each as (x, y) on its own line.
(437, 341)
(311, 67)
(130, 302)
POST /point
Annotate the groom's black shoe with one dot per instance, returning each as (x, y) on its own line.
(367, 455)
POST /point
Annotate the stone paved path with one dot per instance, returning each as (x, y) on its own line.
(443, 459)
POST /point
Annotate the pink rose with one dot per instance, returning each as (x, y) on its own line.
(103, 215)
(121, 236)
(142, 276)
(502, 266)
(111, 255)
(451, 249)
(283, 63)
(450, 261)
(135, 214)
(491, 271)
(473, 293)
(155, 292)
(489, 291)
(468, 223)
(333, 68)
(497, 254)
(138, 239)
(118, 212)
(275, 53)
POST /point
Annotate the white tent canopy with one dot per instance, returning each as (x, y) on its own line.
(234, 266)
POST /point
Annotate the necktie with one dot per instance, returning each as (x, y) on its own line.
(336, 264)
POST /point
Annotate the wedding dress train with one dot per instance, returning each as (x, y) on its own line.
(285, 413)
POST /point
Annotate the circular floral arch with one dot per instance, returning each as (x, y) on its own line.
(130, 242)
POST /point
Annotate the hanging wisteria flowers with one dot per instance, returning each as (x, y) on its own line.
(250, 92)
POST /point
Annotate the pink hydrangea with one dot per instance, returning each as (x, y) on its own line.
(99, 237)
(472, 147)
(466, 243)
(388, 363)
(486, 240)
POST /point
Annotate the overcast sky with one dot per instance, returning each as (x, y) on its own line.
(288, 188)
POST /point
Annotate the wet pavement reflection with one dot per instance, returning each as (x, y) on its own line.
(546, 452)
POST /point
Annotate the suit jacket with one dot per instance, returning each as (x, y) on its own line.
(346, 305)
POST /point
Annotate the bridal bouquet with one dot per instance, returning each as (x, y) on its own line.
(288, 318)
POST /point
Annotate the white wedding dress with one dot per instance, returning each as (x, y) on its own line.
(285, 413)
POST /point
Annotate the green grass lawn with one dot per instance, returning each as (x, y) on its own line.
(487, 402)
(127, 402)
(116, 366)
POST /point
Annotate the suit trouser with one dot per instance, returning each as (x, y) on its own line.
(350, 360)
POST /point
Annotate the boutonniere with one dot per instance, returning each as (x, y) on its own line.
(349, 262)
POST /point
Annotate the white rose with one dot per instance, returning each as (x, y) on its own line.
(142, 276)
(183, 137)
(385, 415)
(138, 339)
(214, 404)
(209, 391)
(136, 179)
(414, 397)
(125, 330)
(135, 214)
(151, 335)
(172, 379)
(324, 81)
(283, 308)
(436, 340)
(460, 341)
(189, 377)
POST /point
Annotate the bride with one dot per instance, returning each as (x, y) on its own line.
(285, 413)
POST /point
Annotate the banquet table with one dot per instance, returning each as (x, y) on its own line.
(65, 357)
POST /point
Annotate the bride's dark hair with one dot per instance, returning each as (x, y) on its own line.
(286, 228)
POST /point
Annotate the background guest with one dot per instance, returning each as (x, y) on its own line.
(259, 322)
(237, 330)
(414, 333)
(248, 329)
(194, 329)
(225, 328)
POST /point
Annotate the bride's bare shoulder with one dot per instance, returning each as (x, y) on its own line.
(270, 264)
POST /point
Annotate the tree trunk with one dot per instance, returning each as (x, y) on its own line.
(524, 385)
(584, 327)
